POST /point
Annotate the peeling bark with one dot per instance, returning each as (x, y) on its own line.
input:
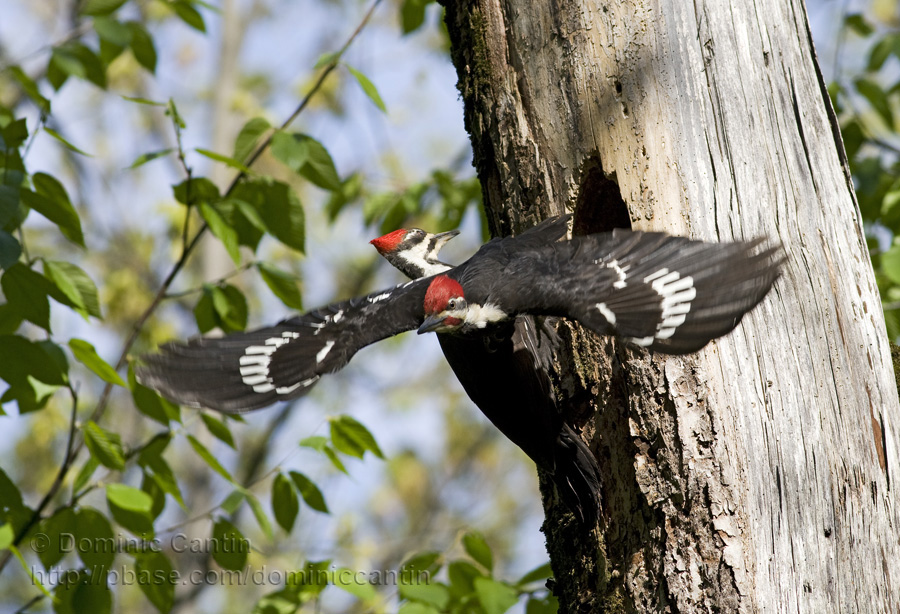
(756, 474)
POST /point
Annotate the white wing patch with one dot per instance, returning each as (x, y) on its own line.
(676, 293)
(620, 271)
(607, 313)
(255, 364)
(320, 356)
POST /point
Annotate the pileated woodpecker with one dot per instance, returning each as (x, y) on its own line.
(504, 370)
(668, 294)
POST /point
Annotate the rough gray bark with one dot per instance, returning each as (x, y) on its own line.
(755, 475)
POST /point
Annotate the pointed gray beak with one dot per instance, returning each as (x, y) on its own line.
(430, 324)
(441, 238)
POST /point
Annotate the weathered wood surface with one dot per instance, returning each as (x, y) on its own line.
(756, 475)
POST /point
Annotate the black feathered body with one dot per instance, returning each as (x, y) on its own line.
(504, 369)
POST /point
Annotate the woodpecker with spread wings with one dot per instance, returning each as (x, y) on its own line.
(668, 294)
(505, 371)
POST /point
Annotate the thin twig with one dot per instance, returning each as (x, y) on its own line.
(221, 280)
(57, 481)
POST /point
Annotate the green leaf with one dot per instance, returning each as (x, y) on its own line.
(319, 443)
(351, 188)
(283, 215)
(7, 536)
(412, 15)
(233, 501)
(320, 168)
(26, 293)
(100, 7)
(105, 446)
(49, 198)
(329, 452)
(50, 537)
(462, 576)
(877, 98)
(84, 474)
(231, 308)
(858, 24)
(291, 149)
(75, 285)
(354, 583)
(420, 566)
(282, 284)
(350, 437)
(95, 536)
(539, 573)
(142, 46)
(247, 138)
(230, 547)
(284, 502)
(880, 52)
(156, 579)
(210, 460)
(327, 58)
(495, 597)
(218, 428)
(228, 161)
(477, 548)
(147, 157)
(189, 15)
(259, 513)
(547, 605)
(196, 190)
(311, 494)
(86, 354)
(890, 263)
(56, 135)
(308, 157)
(414, 607)
(129, 498)
(146, 101)
(150, 486)
(30, 88)
(10, 250)
(22, 359)
(225, 233)
(112, 31)
(433, 593)
(368, 87)
(205, 311)
(83, 591)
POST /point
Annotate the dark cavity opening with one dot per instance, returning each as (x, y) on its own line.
(599, 206)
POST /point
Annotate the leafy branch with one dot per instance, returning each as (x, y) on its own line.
(75, 444)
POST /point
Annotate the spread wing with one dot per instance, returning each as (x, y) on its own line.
(250, 370)
(669, 294)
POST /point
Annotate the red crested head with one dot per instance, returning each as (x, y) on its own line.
(441, 290)
(387, 243)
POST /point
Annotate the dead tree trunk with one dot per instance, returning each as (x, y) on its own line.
(755, 475)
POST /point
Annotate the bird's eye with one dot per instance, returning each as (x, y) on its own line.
(452, 304)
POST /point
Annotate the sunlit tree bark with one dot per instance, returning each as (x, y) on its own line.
(755, 475)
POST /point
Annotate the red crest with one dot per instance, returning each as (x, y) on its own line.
(389, 242)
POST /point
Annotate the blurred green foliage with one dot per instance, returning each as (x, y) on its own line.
(90, 469)
(866, 100)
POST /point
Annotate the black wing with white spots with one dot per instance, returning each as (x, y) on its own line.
(246, 371)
